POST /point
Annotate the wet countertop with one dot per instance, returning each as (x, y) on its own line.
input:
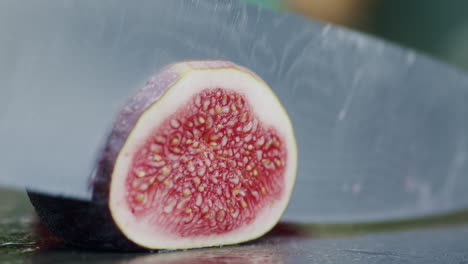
(441, 239)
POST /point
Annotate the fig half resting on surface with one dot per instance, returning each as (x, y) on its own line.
(203, 155)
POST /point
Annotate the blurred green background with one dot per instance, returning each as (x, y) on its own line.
(438, 28)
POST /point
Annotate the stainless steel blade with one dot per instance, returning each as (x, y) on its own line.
(381, 130)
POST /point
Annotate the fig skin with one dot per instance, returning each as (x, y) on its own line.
(89, 224)
(84, 224)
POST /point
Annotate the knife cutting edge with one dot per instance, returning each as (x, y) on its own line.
(381, 129)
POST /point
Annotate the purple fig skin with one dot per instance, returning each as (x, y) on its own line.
(84, 224)
(89, 224)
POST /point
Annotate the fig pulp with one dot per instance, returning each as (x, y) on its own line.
(203, 155)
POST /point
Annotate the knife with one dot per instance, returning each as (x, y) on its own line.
(381, 130)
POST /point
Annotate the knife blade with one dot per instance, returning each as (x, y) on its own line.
(381, 130)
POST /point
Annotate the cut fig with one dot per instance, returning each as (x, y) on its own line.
(203, 155)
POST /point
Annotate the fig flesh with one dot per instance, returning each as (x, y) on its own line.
(203, 155)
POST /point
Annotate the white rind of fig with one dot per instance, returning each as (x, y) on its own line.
(176, 85)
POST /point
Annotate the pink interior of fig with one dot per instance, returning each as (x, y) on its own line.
(208, 168)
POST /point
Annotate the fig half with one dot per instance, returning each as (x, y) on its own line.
(203, 155)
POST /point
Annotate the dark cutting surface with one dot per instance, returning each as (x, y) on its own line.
(430, 240)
